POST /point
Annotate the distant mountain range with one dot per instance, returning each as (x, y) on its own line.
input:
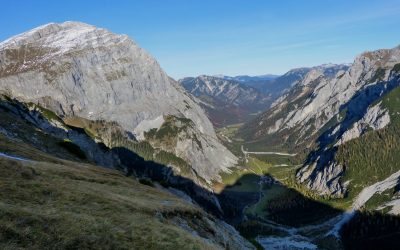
(226, 101)
(229, 100)
(246, 78)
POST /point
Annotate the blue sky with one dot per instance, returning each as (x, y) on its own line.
(231, 37)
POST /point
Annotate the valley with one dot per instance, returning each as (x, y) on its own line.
(101, 149)
(274, 180)
(363, 194)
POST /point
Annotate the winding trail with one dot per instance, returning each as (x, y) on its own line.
(266, 153)
(246, 153)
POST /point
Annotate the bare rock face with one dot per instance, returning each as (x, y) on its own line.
(75, 69)
(353, 109)
(326, 181)
(375, 118)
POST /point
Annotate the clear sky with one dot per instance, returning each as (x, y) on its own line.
(230, 37)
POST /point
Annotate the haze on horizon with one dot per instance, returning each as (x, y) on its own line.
(233, 37)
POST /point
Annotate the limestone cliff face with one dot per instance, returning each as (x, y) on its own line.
(318, 97)
(75, 69)
(345, 108)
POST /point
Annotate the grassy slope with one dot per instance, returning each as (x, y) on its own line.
(59, 204)
(278, 202)
(57, 200)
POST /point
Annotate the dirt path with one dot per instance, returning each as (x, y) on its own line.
(266, 153)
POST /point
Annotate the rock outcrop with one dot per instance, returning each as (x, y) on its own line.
(375, 118)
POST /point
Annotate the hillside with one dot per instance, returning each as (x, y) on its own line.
(81, 206)
(53, 196)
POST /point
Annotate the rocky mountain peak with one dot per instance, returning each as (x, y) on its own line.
(383, 58)
(64, 36)
(78, 70)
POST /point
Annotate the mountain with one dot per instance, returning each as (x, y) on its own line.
(246, 78)
(342, 122)
(277, 86)
(92, 78)
(272, 85)
(226, 101)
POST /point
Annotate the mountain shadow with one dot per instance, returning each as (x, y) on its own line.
(371, 230)
(284, 205)
(291, 209)
(134, 165)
